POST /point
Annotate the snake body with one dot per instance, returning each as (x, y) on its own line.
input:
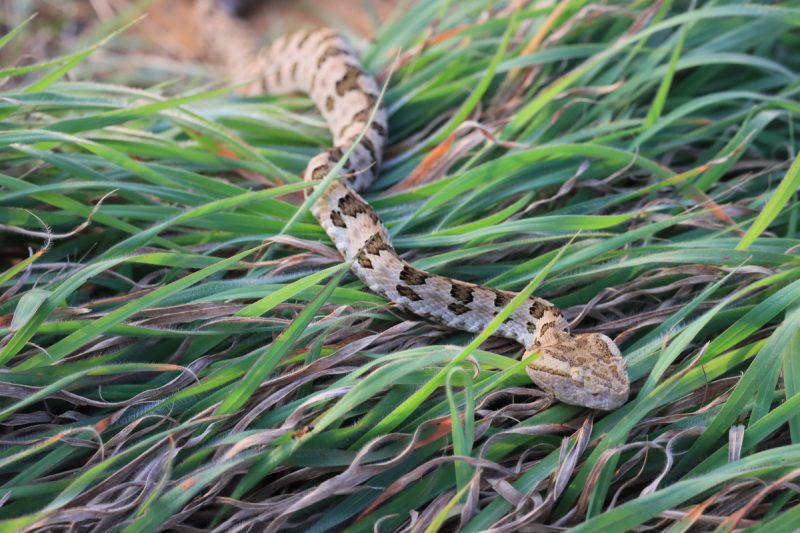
(583, 369)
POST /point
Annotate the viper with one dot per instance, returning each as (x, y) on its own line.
(584, 369)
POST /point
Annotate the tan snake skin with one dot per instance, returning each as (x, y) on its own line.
(585, 370)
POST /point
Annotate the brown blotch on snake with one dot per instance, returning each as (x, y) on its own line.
(380, 129)
(583, 369)
(335, 154)
(351, 206)
(412, 276)
(408, 292)
(349, 81)
(458, 308)
(337, 220)
(320, 172)
(375, 245)
(501, 299)
(364, 261)
(537, 309)
(462, 293)
(366, 143)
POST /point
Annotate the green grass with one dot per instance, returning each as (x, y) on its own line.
(196, 355)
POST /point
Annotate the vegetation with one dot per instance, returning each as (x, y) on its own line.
(182, 346)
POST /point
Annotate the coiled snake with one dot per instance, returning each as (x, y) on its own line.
(585, 370)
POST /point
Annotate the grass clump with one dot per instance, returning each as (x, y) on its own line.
(182, 348)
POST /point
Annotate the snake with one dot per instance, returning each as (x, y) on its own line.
(580, 369)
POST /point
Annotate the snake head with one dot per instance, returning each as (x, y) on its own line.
(586, 370)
